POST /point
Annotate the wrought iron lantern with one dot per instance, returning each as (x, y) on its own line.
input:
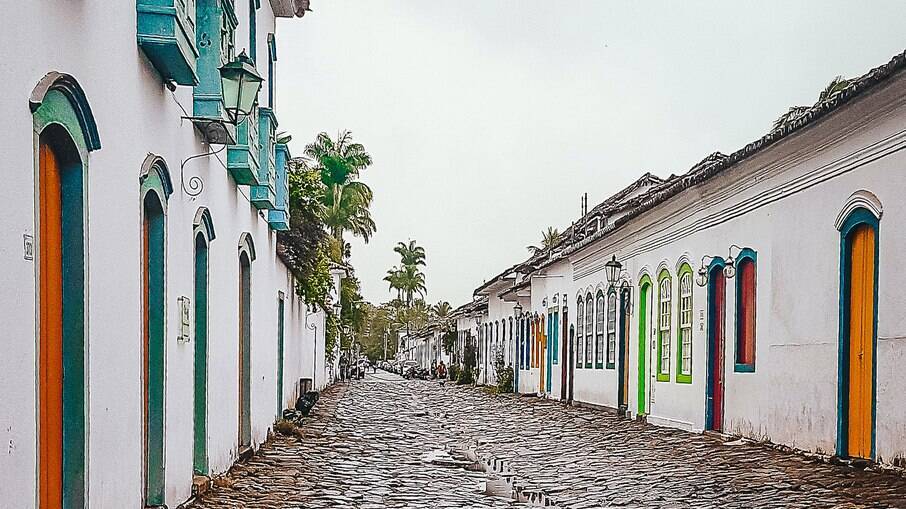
(613, 270)
(517, 310)
(702, 278)
(240, 84)
(730, 267)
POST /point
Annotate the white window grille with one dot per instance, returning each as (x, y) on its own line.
(611, 328)
(686, 323)
(589, 330)
(580, 339)
(664, 326)
(599, 337)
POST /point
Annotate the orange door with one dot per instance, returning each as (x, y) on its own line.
(861, 341)
(50, 347)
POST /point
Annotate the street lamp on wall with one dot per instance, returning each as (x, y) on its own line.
(702, 278)
(240, 84)
(612, 269)
(730, 267)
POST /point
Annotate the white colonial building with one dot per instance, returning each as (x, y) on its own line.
(151, 330)
(755, 295)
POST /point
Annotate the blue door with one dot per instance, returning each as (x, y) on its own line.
(551, 341)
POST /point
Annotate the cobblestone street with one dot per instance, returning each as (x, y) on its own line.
(370, 444)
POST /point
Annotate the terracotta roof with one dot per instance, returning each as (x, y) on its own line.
(712, 165)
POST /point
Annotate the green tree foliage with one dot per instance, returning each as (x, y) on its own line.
(505, 374)
(549, 238)
(346, 199)
(380, 325)
(794, 113)
(442, 310)
(410, 254)
(305, 245)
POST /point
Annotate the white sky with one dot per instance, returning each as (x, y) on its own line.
(487, 119)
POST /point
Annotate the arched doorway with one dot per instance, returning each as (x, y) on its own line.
(714, 390)
(65, 133)
(623, 356)
(61, 346)
(246, 256)
(204, 234)
(858, 334)
(644, 295)
(155, 189)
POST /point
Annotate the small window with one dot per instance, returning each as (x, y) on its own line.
(611, 329)
(663, 337)
(589, 330)
(745, 311)
(599, 332)
(580, 340)
(684, 369)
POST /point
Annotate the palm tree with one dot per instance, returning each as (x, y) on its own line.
(347, 200)
(836, 85)
(346, 209)
(410, 254)
(412, 281)
(792, 114)
(442, 309)
(395, 280)
(417, 314)
(549, 238)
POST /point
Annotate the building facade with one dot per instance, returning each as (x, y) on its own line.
(754, 295)
(153, 332)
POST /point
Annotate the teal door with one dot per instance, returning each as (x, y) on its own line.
(280, 337)
(551, 345)
(200, 418)
(245, 343)
(153, 347)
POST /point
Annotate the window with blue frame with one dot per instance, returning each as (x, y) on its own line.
(745, 311)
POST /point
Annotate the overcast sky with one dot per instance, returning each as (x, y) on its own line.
(487, 119)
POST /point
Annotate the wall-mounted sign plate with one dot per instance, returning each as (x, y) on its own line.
(28, 246)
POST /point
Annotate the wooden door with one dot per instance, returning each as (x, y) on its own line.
(861, 341)
(50, 242)
(565, 356)
(714, 412)
(643, 347)
(200, 450)
(245, 420)
(153, 347)
(551, 346)
(623, 353)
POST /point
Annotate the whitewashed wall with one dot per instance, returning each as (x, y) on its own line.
(95, 41)
(782, 203)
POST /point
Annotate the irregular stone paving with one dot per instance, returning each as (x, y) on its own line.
(366, 443)
(365, 447)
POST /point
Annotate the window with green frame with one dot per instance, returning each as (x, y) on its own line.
(665, 302)
(684, 343)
